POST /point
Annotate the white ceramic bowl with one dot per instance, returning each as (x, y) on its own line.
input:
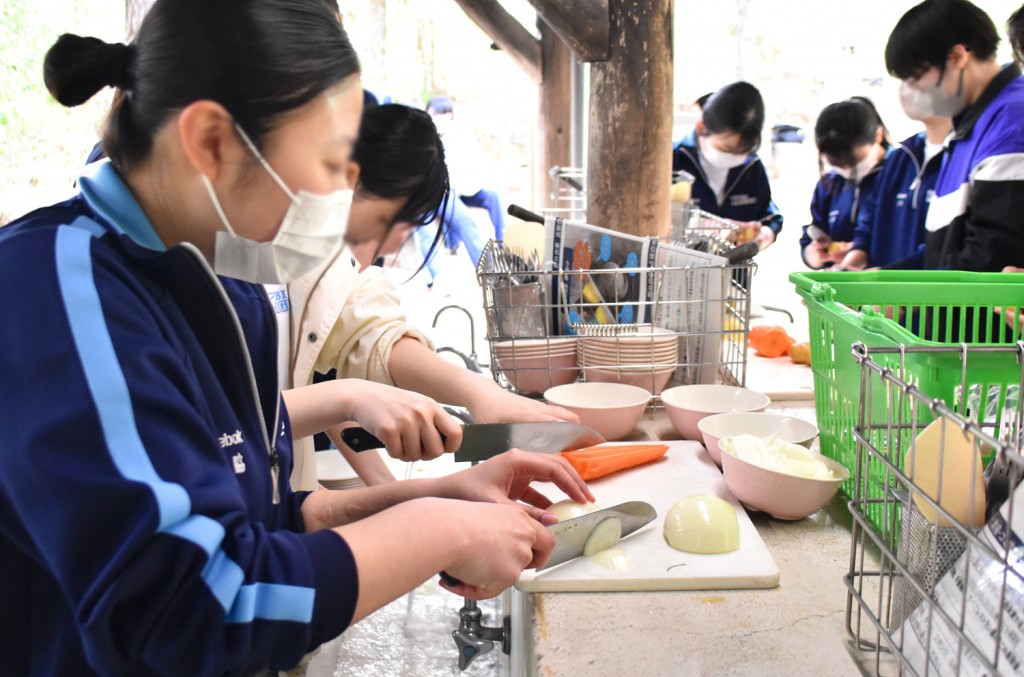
(612, 409)
(687, 405)
(787, 428)
(785, 497)
(537, 374)
(653, 381)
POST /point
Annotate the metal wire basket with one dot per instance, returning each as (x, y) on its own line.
(548, 328)
(930, 591)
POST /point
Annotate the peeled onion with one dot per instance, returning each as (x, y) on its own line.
(605, 535)
(702, 524)
(612, 558)
(567, 510)
(778, 455)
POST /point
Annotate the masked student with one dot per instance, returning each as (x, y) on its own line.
(349, 324)
(890, 230)
(852, 146)
(148, 523)
(721, 154)
(945, 53)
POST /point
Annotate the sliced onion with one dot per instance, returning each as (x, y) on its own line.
(605, 535)
(612, 558)
(778, 455)
(702, 524)
(567, 510)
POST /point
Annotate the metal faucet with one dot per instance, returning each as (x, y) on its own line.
(474, 639)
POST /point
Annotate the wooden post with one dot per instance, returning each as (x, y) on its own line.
(629, 164)
(555, 111)
(582, 24)
(507, 33)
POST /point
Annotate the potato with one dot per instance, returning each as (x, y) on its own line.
(800, 353)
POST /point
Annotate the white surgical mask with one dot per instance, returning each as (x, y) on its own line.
(916, 104)
(721, 159)
(934, 101)
(858, 171)
(311, 232)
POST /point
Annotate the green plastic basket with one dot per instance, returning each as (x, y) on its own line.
(908, 308)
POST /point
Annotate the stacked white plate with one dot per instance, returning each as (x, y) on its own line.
(333, 472)
(534, 365)
(645, 359)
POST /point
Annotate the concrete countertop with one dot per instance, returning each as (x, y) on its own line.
(795, 629)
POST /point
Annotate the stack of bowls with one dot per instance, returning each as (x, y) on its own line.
(534, 365)
(645, 359)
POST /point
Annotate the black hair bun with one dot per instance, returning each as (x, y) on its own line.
(77, 67)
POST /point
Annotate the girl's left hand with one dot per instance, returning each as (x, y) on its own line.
(506, 478)
(501, 406)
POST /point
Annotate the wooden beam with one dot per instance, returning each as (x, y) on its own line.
(629, 163)
(555, 120)
(507, 33)
(583, 24)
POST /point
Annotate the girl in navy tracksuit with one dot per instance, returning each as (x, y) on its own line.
(890, 230)
(146, 523)
(852, 145)
(729, 178)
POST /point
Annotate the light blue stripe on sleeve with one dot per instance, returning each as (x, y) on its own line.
(273, 602)
(104, 376)
(112, 400)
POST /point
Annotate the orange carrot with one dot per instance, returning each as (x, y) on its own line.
(770, 340)
(594, 462)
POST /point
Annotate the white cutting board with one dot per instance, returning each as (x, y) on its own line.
(653, 565)
(779, 378)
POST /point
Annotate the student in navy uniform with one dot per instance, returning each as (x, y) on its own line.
(729, 178)
(945, 51)
(147, 525)
(852, 145)
(890, 228)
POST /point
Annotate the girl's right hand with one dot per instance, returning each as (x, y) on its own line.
(501, 540)
(409, 424)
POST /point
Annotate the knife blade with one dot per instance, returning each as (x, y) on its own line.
(481, 441)
(571, 535)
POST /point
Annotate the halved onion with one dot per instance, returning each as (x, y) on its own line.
(605, 535)
(703, 524)
(567, 510)
(612, 558)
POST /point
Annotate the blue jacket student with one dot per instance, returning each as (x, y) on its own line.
(890, 226)
(836, 204)
(747, 196)
(976, 219)
(153, 359)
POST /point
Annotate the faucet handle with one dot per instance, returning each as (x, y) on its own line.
(470, 647)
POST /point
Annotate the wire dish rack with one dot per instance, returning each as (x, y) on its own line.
(552, 327)
(936, 587)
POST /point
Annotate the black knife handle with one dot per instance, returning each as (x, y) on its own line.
(360, 439)
(742, 252)
(449, 579)
(524, 214)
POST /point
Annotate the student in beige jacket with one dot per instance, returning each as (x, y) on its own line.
(351, 321)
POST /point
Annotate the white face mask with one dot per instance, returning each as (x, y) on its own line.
(916, 104)
(311, 232)
(934, 101)
(721, 159)
(858, 171)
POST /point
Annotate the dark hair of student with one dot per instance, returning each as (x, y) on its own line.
(737, 108)
(702, 100)
(924, 35)
(844, 125)
(1015, 30)
(260, 59)
(439, 105)
(400, 155)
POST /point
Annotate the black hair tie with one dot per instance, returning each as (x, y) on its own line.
(118, 59)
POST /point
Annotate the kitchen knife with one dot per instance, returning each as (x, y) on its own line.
(480, 441)
(571, 535)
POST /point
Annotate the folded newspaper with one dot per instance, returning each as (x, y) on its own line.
(987, 592)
